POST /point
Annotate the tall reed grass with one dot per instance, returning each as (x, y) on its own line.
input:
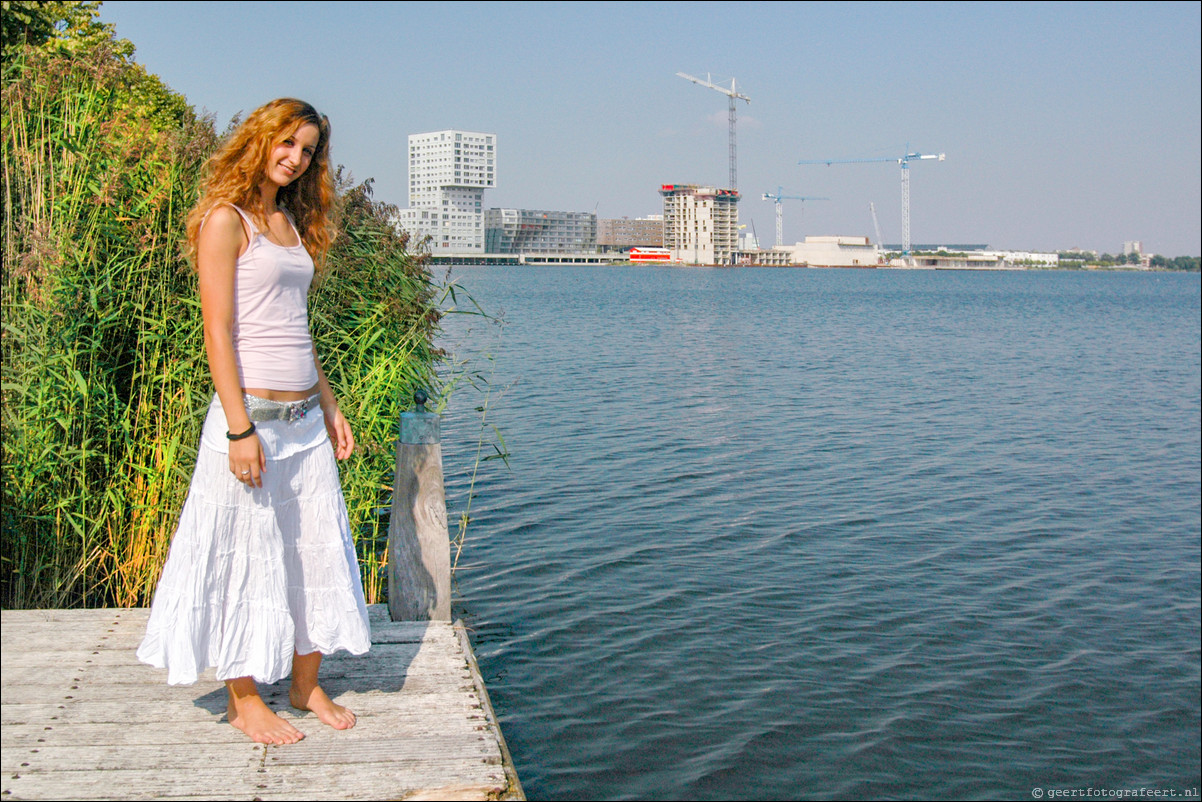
(104, 377)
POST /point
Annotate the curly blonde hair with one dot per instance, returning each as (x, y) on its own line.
(238, 168)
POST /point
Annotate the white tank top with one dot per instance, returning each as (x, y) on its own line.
(272, 344)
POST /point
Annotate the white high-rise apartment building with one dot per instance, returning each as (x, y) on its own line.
(448, 173)
(701, 224)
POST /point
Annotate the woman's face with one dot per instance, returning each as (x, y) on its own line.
(289, 159)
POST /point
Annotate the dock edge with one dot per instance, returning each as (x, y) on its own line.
(514, 790)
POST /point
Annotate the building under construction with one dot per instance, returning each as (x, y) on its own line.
(701, 224)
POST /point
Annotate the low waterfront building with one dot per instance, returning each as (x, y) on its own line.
(816, 252)
(945, 260)
(701, 223)
(622, 234)
(830, 251)
(538, 231)
(649, 256)
(448, 173)
(779, 256)
(950, 247)
(1026, 258)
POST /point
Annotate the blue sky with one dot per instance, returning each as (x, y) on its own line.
(1065, 125)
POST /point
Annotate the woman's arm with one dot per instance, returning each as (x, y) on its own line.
(220, 242)
(337, 426)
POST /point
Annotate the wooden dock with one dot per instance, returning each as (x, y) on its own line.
(82, 719)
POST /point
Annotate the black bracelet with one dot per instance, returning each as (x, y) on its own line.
(242, 436)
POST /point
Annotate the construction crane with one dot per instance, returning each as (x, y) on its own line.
(777, 198)
(904, 161)
(733, 95)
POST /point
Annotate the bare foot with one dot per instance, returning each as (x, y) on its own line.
(252, 715)
(326, 710)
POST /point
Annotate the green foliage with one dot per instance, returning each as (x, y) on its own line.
(65, 27)
(105, 382)
(1188, 264)
(1076, 259)
(98, 343)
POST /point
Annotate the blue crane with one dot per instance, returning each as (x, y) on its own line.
(904, 161)
(777, 198)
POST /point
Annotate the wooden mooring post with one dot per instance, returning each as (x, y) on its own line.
(419, 551)
(419, 546)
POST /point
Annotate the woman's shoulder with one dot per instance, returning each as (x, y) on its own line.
(225, 225)
(223, 215)
(226, 214)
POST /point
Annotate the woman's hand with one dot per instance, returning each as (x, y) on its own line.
(336, 425)
(340, 433)
(247, 460)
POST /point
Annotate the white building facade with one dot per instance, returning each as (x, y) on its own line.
(835, 252)
(448, 173)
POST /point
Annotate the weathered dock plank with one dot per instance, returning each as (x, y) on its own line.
(80, 718)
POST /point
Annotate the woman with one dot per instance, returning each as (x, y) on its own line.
(262, 576)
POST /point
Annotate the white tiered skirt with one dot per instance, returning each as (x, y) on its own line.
(256, 573)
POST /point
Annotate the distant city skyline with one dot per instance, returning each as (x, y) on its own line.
(1065, 124)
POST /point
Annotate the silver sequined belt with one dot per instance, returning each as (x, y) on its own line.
(260, 409)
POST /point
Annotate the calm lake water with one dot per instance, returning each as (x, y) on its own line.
(830, 534)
